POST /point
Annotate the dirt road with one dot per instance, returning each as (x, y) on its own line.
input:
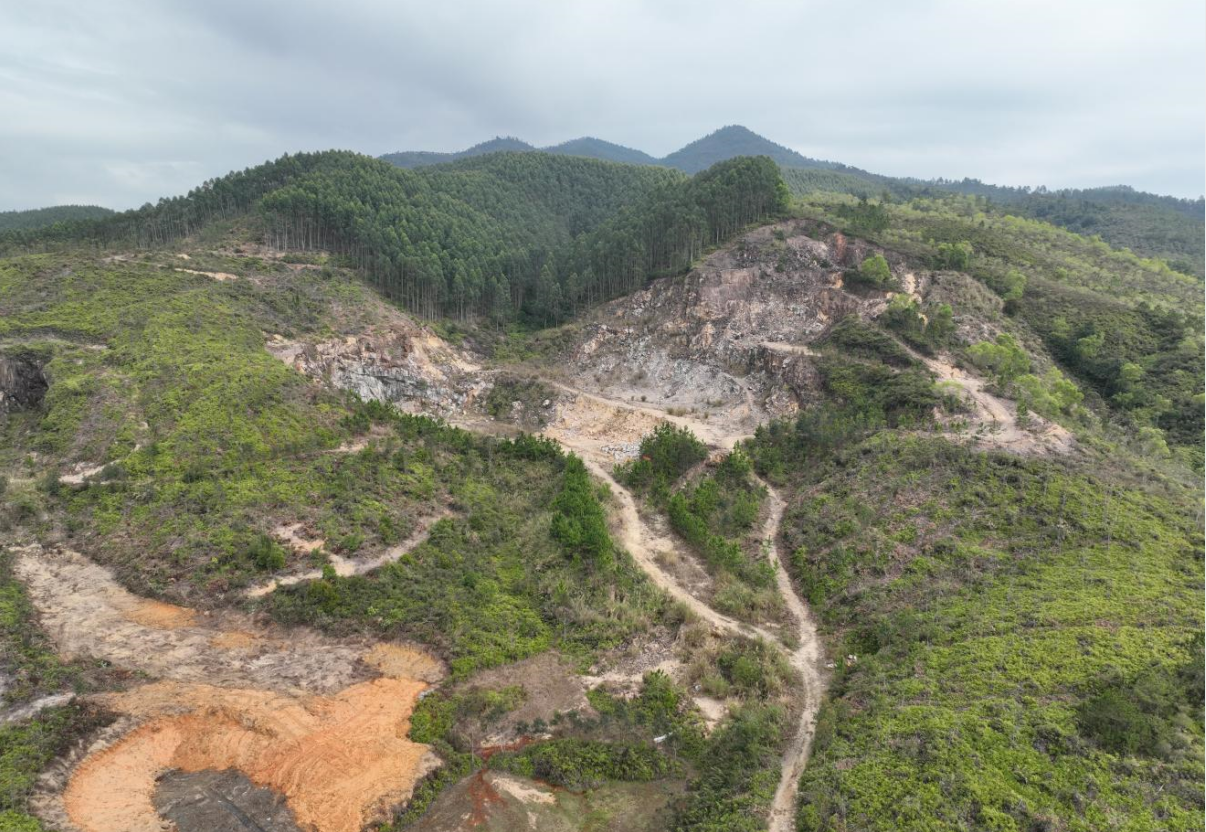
(807, 659)
(582, 427)
(347, 567)
(994, 419)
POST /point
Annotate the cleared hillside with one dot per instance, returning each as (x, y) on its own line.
(1149, 225)
(1130, 329)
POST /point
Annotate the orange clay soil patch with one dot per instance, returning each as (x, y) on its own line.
(234, 640)
(340, 761)
(398, 662)
(321, 721)
(161, 616)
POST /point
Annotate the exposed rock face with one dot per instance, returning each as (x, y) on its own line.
(728, 343)
(731, 336)
(402, 364)
(22, 384)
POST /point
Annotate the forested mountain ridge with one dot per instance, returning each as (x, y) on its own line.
(600, 149)
(509, 236)
(735, 140)
(586, 146)
(42, 217)
(422, 158)
(719, 146)
(1148, 224)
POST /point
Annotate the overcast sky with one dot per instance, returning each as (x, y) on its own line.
(119, 102)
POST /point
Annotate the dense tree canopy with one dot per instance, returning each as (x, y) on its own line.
(505, 235)
(43, 217)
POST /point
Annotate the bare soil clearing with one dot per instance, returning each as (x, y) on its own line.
(219, 276)
(780, 346)
(550, 687)
(80, 472)
(87, 613)
(320, 721)
(994, 420)
(339, 761)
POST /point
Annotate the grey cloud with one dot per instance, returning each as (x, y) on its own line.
(123, 101)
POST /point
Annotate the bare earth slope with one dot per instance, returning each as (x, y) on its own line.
(728, 339)
(320, 721)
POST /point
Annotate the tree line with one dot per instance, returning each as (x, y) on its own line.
(527, 236)
(506, 236)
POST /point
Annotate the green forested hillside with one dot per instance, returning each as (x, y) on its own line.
(599, 149)
(512, 235)
(1150, 226)
(1025, 636)
(207, 441)
(1017, 639)
(532, 235)
(41, 217)
(1130, 329)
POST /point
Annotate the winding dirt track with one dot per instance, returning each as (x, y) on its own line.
(995, 419)
(806, 658)
(277, 708)
(643, 543)
(347, 567)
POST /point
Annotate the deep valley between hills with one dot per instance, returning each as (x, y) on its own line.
(660, 503)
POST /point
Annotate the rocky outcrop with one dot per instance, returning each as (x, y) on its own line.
(22, 383)
(730, 338)
(402, 364)
(727, 342)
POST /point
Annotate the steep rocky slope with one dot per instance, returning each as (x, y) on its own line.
(729, 336)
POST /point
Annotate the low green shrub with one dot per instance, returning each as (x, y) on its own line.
(579, 764)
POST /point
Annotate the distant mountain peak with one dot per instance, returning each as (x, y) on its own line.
(498, 144)
(736, 140)
(600, 149)
(727, 142)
